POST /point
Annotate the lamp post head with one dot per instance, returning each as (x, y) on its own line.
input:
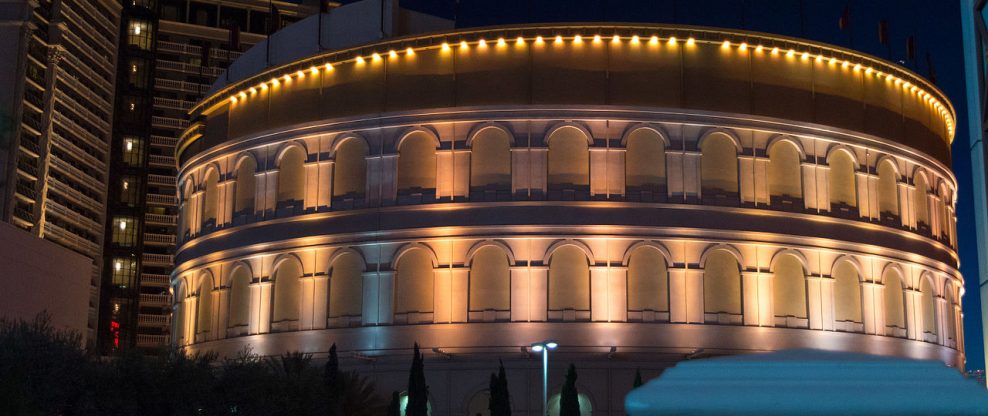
(551, 345)
(537, 347)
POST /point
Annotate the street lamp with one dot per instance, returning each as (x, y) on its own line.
(544, 348)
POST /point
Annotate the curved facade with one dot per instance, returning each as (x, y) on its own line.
(637, 193)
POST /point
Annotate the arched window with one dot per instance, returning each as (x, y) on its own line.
(951, 319)
(490, 160)
(719, 169)
(490, 280)
(569, 159)
(240, 298)
(648, 281)
(350, 176)
(785, 177)
(721, 283)
(569, 280)
(346, 287)
(178, 315)
(927, 295)
(894, 310)
(842, 180)
(789, 287)
(645, 161)
(210, 199)
(287, 291)
(291, 178)
(921, 201)
(414, 282)
(245, 187)
(847, 293)
(185, 212)
(204, 316)
(888, 193)
(416, 163)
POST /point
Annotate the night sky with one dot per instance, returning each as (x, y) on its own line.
(935, 26)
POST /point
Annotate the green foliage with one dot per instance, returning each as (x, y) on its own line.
(44, 371)
(334, 384)
(418, 391)
(569, 402)
(500, 401)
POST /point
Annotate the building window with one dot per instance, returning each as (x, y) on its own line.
(139, 34)
(124, 231)
(202, 14)
(129, 187)
(133, 151)
(137, 73)
(124, 271)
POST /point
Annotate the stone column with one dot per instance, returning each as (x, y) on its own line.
(521, 179)
(914, 314)
(616, 171)
(460, 293)
(444, 174)
(906, 215)
(370, 305)
(822, 188)
(385, 297)
(222, 321)
(324, 193)
(442, 295)
(872, 308)
(538, 293)
(539, 168)
(617, 284)
(819, 302)
(461, 173)
(598, 171)
(260, 306)
(756, 298)
(521, 297)
(599, 294)
(809, 185)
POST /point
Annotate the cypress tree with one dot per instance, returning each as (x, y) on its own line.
(334, 383)
(638, 379)
(569, 402)
(500, 402)
(394, 408)
(418, 391)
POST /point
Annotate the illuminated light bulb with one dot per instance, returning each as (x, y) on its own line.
(898, 82)
(868, 70)
(360, 59)
(775, 50)
(233, 99)
(577, 39)
(274, 82)
(539, 40)
(759, 48)
(329, 66)
(123, 225)
(857, 67)
(481, 44)
(376, 56)
(726, 44)
(806, 55)
(635, 40)
(243, 95)
(790, 53)
(463, 45)
(130, 146)
(287, 78)
(596, 38)
(690, 41)
(654, 40)
(392, 53)
(520, 41)
(445, 46)
(743, 46)
(252, 91)
(409, 51)
(117, 265)
(905, 85)
(137, 30)
(845, 64)
(314, 70)
(559, 39)
(300, 74)
(616, 39)
(501, 42)
(819, 58)
(263, 86)
(126, 185)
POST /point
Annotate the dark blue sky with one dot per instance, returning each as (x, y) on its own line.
(935, 25)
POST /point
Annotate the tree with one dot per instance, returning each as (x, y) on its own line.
(394, 408)
(334, 384)
(638, 379)
(360, 397)
(418, 391)
(569, 402)
(500, 401)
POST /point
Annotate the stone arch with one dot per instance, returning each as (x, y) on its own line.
(204, 305)
(241, 276)
(846, 272)
(414, 280)
(790, 269)
(569, 279)
(417, 161)
(179, 293)
(569, 124)
(895, 318)
(568, 164)
(286, 293)
(346, 285)
(187, 189)
(291, 175)
(350, 165)
(245, 185)
(842, 178)
(568, 242)
(951, 296)
(645, 158)
(210, 196)
(648, 277)
(785, 173)
(920, 199)
(722, 280)
(888, 188)
(719, 166)
(928, 303)
(411, 246)
(490, 277)
(490, 157)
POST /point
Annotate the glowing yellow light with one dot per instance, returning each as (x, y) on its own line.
(690, 41)
(857, 67)
(287, 78)
(654, 40)
(616, 39)
(233, 99)
(833, 61)
(759, 48)
(806, 55)
(360, 59)
(868, 70)
(481, 43)
(819, 58)
(376, 56)
(274, 82)
(329, 66)
(743, 46)
(392, 53)
(463, 44)
(634, 39)
(539, 40)
(314, 70)
(500, 42)
(243, 95)
(263, 86)
(596, 38)
(898, 82)
(559, 39)
(409, 51)
(726, 44)
(790, 53)
(775, 50)
(520, 40)
(445, 46)
(300, 74)
(252, 91)
(577, 39)
(906, 85)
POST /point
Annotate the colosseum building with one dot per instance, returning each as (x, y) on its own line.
(641, 194)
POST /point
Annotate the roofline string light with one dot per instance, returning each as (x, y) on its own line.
(634, 39)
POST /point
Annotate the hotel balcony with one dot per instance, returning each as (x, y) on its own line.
(160, 219)
(154, 280)
(151, 341)
(162, 260)
(169, 123)
(161, 180)
(161, 200)
(163, 141)
(152, 321)
(152, 239)
(155, 301)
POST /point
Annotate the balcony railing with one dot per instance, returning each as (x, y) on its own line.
(153, 321)
(160, 219)
(159, 160)
(189, 87)
(156, 199)
(158, 260)
(155, 300)
(159, 239)
(169, 123)
(181, 105)
(187, 68)
(151, 341)
(163, 141)
(161, 180)
(154, 280)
